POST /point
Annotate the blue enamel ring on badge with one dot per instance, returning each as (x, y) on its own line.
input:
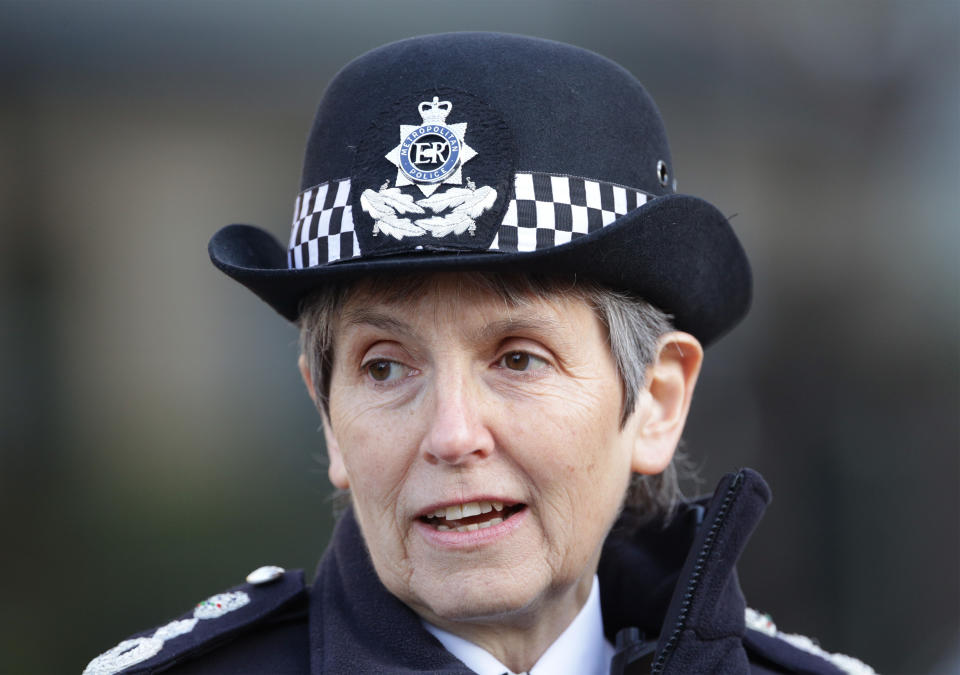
(430, 153)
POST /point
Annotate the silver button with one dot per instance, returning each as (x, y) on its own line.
(265, 574)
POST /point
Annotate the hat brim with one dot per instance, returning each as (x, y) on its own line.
(678, 252)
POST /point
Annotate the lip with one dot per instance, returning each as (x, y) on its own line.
(430, 510)
(451, 539)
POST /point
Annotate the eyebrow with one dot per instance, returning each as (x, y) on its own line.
(370, 317)
(511, 325)
(535, 324)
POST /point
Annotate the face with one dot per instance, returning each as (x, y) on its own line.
(482, 445)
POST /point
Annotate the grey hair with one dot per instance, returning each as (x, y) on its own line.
(633, 325)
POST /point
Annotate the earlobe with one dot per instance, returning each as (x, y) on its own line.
(664, 402)
(337, 471)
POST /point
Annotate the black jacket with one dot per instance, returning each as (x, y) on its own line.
(670, 599)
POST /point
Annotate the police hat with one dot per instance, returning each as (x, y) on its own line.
(479, 151)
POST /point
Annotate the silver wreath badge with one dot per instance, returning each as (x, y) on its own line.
(390, 209)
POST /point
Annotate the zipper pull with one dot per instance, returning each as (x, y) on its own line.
(634, 653)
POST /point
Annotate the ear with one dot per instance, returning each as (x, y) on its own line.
(307, 378)
(664, 402)
(336, 471)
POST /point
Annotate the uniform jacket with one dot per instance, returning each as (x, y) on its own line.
(670, 599)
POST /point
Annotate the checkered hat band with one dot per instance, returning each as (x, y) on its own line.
(545, 211)
(322, 226)
(548, 210)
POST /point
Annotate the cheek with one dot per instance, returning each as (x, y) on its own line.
(575, 454)
(376, 481)
(579, 430)
(377, 448)
(371, 464)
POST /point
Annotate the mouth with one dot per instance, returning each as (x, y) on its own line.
(470, 516)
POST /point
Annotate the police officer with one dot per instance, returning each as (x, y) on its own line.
(502, 303)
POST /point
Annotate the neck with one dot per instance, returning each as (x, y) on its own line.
(520, 639)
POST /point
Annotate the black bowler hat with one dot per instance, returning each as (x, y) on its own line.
(480, 151)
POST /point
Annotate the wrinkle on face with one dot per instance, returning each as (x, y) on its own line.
(556, 445)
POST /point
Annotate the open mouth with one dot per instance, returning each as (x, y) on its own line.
(470, 516)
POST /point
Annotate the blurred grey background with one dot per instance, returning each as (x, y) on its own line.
(156, 444)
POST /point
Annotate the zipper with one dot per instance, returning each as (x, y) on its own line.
(694, 579)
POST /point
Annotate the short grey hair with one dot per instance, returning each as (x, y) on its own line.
(633, 325)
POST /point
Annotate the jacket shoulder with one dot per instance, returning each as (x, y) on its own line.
(772, 651)
(269, 611)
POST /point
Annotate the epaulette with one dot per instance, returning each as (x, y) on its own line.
(269, 591)
(798, 653)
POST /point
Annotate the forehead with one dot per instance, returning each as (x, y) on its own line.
(448, 294)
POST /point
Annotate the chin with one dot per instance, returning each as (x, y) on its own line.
(468, 598)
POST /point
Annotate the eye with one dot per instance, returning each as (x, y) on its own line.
(522, 361)
(383, 370)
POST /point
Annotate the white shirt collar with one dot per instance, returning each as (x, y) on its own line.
(581, 649)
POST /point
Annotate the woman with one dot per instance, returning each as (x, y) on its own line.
(502, 303)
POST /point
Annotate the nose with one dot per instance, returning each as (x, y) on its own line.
(457, 431)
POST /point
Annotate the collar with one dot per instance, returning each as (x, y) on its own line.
(581, 649)
(672, 593)
(676, 585)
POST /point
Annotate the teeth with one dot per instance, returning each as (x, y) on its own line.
(472, 527)
(480, 526)
(468, 510)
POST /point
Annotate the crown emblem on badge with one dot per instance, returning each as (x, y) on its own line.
(430, 154)
(435, 111)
